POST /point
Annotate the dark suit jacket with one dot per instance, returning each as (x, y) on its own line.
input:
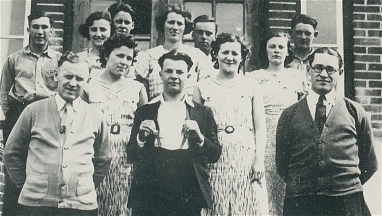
(143, 165)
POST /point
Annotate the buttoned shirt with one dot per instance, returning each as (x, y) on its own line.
(312, 100)
(300, 64)
(171, 118)
(27, 77)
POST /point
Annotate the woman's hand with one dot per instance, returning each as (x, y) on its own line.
(257, 171)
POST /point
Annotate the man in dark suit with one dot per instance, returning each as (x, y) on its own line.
(172, 140)
(324, 146)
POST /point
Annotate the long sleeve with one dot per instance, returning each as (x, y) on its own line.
(282, 144)
(7, 80)
(367, 159)
(102, 154)
(211, 149)
(16, 150)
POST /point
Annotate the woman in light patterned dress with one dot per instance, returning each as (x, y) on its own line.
(281, 87)
(97, 30)
(237, 182)
(117, 97)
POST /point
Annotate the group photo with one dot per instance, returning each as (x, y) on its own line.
(191, 108)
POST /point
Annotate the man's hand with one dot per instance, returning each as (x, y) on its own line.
(146, 129)
(192, 131)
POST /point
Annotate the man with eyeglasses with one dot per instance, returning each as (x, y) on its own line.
(324, 146)
(27, 76)
(171, 142)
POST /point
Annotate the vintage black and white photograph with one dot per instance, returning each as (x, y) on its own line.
(190, 107)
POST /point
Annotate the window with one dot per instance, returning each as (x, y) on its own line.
(229, 15)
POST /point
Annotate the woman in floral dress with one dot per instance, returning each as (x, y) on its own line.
(281, 87)
(117, 97)
(237, 182)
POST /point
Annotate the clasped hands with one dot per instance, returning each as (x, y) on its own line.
(190, 128)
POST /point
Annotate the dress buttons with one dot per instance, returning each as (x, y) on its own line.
(64, 166)
(63, 184)
(66, 148)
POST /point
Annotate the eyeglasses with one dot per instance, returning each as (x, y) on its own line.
(319, 68)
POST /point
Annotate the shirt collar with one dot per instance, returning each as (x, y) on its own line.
(48, 51)
(160, 99)
(303, 59)
(329, 97)
(61, 103)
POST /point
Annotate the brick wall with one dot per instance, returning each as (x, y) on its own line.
(368, 54)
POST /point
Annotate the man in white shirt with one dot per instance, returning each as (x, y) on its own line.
(324, 146)
(172, 140)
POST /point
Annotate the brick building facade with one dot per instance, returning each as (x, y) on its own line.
(362, 24)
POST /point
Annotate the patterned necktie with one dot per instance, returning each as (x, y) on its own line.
(67, 118)
(320, 116)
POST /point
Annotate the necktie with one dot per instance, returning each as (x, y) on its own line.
(67, 118)
(320, 116)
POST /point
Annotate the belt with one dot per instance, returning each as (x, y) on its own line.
(115, 129)
(230, 129)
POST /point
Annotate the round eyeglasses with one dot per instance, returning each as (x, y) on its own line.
(319, 68)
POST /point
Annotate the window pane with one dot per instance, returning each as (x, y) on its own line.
(199, 8)
(229, 18)
(326, 28)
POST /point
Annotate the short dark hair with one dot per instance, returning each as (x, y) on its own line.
(38, 14)
(205, 18)
(225, 38)
(305, 19)
(115, 41)
(329, 51)
(176, 56)
(83, 29)
(118, 7)
(179, 9)
(263, 57)
(68, 56)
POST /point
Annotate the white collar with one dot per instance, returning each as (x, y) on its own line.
(61, 103)
(330, 97)
(160, 98)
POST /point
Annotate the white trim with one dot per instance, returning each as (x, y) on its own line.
(28, 5)
(12, 37)
(303, 6)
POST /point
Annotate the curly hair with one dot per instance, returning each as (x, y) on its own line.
(179, 9)
(117, 40)
(263, 57)
(83, 29)
(225, 38)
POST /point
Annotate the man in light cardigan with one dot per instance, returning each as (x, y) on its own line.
(56, 156)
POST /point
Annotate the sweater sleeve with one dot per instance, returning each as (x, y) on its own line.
(16, 148)
(102, 153)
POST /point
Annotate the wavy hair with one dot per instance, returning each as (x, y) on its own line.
(225, 38)
(117, 40)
